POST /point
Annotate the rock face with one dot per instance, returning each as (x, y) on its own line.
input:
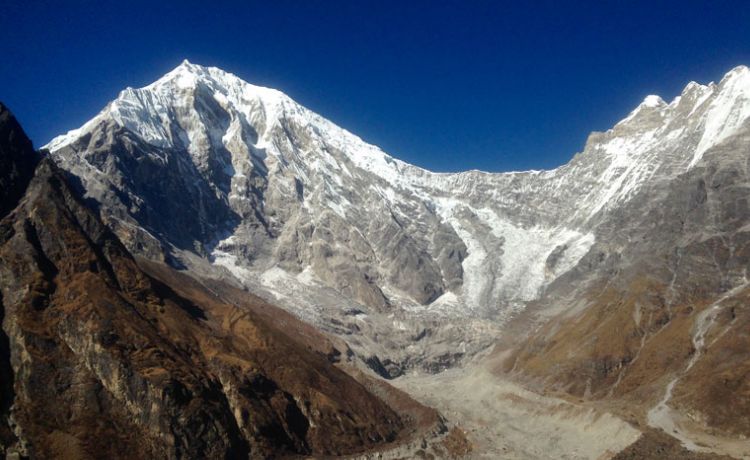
(17, 161)
(99, 359)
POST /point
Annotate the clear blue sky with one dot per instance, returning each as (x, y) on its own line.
(449, 86)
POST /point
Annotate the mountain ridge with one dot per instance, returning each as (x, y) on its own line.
(188, 71)
(212, 173)
(254, 112)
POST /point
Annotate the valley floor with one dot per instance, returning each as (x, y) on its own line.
(503, 420)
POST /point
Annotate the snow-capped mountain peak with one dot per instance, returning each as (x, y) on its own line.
(152, 111)
(276, 185)
(653, 100)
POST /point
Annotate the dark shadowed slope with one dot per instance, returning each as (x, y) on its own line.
(17, 161)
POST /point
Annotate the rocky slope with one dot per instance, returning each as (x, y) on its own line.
(659, 318)
(100, 360)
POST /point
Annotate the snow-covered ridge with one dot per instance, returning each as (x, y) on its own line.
(145, 111)
(148, 112)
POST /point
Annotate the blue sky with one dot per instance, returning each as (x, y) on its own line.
(449, 86)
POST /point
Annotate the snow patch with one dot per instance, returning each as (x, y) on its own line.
(727, 112)
(230, 262)
(653, 100)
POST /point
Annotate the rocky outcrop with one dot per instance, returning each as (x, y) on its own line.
(106, 361)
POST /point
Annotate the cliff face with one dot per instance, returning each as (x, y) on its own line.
(99, 359)
(17, 161)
